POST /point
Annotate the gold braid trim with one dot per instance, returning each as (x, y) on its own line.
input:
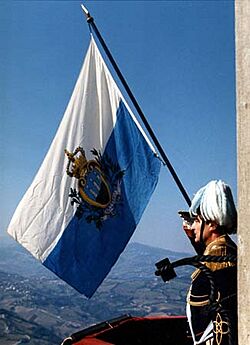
(197, 303)
(220, 328)
(195, 274)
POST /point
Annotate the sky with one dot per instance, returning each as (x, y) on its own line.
(178, 59)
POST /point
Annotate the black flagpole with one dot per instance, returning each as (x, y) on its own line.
(165, 159)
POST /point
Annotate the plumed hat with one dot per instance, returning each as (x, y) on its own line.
(214, 202)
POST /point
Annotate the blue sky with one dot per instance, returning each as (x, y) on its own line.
(177, 57)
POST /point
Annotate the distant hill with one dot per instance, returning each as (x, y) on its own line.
(35, 304)
(16, 330)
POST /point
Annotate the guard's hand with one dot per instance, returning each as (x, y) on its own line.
(187, 223)
(187, 228)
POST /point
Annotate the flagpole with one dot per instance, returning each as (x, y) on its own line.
(164, 157)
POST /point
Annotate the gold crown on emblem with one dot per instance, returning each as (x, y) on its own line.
(76, 166)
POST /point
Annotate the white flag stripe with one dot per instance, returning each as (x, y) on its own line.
(88, 122)
(112, 82)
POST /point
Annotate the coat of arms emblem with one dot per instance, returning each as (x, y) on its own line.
(99, 185)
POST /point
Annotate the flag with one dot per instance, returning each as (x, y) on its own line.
(93, 185)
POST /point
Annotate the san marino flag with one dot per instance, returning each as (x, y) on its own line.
(93, 185)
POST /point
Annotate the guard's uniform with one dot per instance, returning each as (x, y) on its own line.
(206, 326)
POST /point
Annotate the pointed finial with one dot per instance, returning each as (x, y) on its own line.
(87, 14)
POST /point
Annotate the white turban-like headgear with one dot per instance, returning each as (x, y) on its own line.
(214, 202)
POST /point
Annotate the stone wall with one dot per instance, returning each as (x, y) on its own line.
(242, 37)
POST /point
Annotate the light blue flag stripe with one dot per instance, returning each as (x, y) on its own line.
(85, 254)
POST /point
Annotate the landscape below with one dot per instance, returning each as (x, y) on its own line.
(37, 308)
